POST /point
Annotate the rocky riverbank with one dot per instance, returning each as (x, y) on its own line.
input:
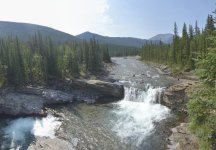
(176, 97)
(182, 139)
(32, 101)
(40, 101)
(86, 126)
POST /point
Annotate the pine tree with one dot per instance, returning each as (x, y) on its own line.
(106, 56)
(209, 28)
(202, 105)
(184, 56)
(38, 76)
(175, 43)
(197, 30)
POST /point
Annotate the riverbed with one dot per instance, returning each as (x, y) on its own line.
(137, 122)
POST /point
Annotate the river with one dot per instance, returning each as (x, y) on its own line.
(137, 122)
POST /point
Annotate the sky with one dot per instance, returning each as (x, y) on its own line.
(121, 18)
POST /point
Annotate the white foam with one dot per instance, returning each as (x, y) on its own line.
(19, 129)
(46, 127)
(156, 76)
(137, 113)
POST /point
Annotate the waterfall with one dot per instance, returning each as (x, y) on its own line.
(21, 129)
(150, 95)
(137, 113)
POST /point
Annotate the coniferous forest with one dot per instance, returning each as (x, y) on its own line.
(40, 59)
(80, 74)
(195, 50)
(184, 50)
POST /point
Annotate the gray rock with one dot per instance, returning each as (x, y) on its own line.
(104, 90)
(21, 104)
(32, 100)
(56, 97)
(43, 143)
(175, 97)
(182, 139)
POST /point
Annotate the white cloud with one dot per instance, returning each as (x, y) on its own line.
(72, 16)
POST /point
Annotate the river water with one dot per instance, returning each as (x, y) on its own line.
(134, 123)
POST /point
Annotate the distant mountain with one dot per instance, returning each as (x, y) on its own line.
(165, 38)
(25, 30)
(120, 41)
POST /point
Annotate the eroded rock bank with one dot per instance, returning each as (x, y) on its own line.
(33, 100)
(176, 98)
(182, 139)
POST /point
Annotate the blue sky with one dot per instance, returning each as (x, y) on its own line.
(127, 18)
(145, 18)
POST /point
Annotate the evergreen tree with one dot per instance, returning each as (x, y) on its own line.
(197, 30)
(40, 60)
(209, 28)
(106, 56)
(38, 76)
(175, 43)
(202, 105)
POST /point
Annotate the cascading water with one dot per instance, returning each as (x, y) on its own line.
(135, 123)
(137, 114)
(20, 130)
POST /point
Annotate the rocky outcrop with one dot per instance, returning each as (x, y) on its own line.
(32, 100)
(175, 97)
(106, 89)
(14, 103)
(182, 139)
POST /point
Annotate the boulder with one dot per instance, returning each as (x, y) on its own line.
(175, 97)
(105, 90)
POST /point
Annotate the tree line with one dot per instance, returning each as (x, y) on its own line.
(40, 59)
(184, 50)
(120, 51)
(194, 50)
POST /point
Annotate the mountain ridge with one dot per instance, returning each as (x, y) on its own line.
(125, 41)
(165, 38)
(26, 30)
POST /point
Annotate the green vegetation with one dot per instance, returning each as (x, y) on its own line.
(120, 51)
(202, 114)
(40, 60)
(195, 49)
(184, 50)
(202, 106)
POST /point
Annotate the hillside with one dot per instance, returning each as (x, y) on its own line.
(25, 30)
(120, 41)
(165, 38)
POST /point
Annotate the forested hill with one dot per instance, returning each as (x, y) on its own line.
(25, 30)
(120, 41)
(118, 46)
